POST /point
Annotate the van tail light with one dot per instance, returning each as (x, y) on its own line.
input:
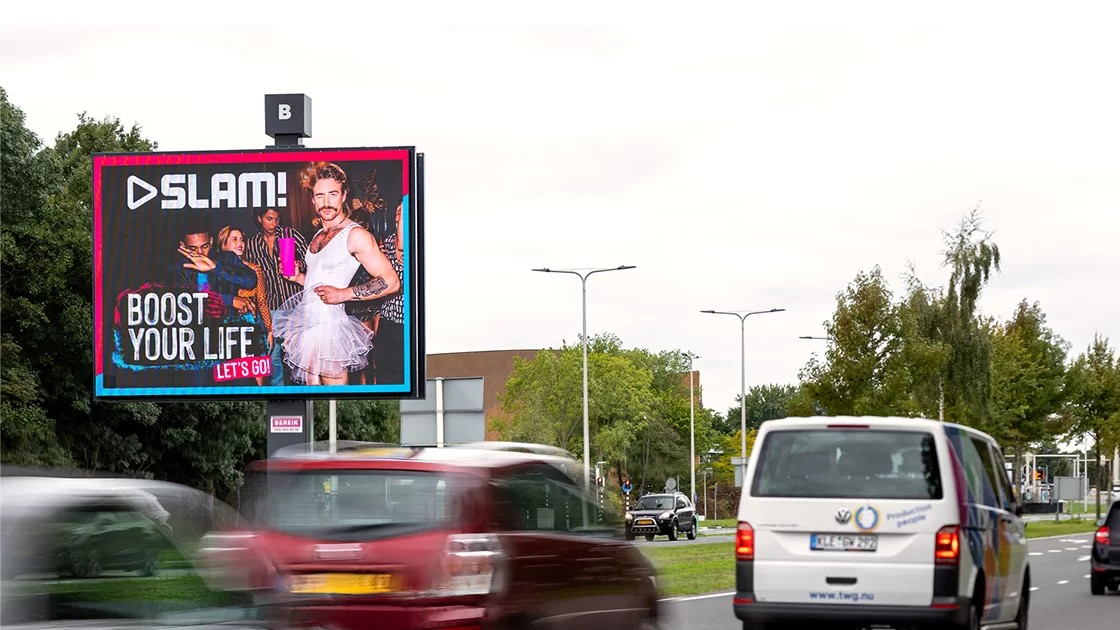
(1103, 536)
(744, 541)
(948, 547)
(470, 564)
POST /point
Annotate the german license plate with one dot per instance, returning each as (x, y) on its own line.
(843, 542)
(341, 583)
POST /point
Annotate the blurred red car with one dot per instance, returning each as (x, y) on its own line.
(431, 538)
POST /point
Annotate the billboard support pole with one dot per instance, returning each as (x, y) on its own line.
(440, 427)
(287, 120)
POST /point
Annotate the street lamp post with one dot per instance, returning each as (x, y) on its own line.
(692, 427)
(743, 365)
(583, 276)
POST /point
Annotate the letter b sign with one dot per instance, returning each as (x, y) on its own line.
(287, 115)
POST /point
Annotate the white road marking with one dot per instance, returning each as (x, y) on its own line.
(1055, 551)
(1086, 576)
(694, 597)
(1034, 588)
(1086, 546)
(1035, 553)
(1063, 581)
(1083, 558)
(1071, 548)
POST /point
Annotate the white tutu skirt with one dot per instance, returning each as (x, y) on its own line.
(320, 339)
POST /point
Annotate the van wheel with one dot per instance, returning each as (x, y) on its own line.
(649, 537)
(973, 621)
(692, 532)
(1022, 618)
(974, 608)
(1096, 584)
(673, 531)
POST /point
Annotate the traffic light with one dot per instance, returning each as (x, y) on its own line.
(1037, 475)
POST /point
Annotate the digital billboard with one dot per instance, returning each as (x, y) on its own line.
(280, 273)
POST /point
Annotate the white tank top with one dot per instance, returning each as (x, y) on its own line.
(334, 265)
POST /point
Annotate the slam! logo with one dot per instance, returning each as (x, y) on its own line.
(222, 190)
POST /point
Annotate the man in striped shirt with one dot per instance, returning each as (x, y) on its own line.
(263, 251)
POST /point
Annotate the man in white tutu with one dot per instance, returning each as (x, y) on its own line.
(322, 343)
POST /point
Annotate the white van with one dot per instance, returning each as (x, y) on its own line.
(896, 521)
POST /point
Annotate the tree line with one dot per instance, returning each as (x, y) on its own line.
(928, 351)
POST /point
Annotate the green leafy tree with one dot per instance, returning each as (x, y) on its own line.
(863, 372)
(949, 322)
(28, 179)
(638, 408)
(47, 416)
(360, 420)
(1027, 380)
(764, 402)
(1093, 391)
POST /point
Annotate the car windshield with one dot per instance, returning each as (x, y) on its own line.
(349, 504)
(655, 502)
(869, 464)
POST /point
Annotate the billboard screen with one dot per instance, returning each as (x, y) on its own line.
(282, 273)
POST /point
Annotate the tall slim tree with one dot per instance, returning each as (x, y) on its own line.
(971, 256)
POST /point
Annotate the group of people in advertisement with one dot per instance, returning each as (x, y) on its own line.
(329, 311)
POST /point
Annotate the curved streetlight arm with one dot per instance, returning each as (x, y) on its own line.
(743, 366)
(586, 424)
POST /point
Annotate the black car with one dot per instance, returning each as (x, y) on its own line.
(1104, 562)
(661, 515)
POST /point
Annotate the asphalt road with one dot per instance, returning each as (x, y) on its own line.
(1060, 593)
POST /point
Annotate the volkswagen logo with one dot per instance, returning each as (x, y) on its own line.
(843, 515)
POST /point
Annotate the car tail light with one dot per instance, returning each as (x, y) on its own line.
(948, 547)
(1103, 536)
(469, 564)
(229, 561)
(744, 541)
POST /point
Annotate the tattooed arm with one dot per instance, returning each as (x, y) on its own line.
(374, 288)
(384, 279)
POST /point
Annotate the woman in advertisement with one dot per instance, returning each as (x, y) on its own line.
(231, 239)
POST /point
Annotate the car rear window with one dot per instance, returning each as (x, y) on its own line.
(655, 502)
(350, 504)
(849, 463)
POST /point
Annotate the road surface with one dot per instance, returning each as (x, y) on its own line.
(1060, 593)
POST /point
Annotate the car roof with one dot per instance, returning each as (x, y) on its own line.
(877, 422)
(383, 456)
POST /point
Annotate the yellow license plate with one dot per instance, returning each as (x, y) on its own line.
(342, 583)
(644, 521)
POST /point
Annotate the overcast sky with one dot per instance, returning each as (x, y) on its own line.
(745, 160)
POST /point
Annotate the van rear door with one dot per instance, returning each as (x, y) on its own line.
(846, 514)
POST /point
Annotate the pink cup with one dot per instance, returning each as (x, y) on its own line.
(287, 256)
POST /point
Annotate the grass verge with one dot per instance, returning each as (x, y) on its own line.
(1042, 529)
(693, 569)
